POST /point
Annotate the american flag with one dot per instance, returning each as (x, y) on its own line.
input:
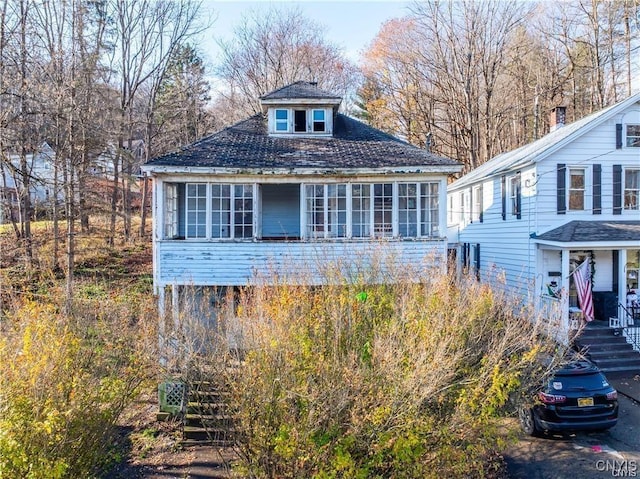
(582, 278)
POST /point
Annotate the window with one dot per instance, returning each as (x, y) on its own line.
(360, 210)
(576, 188)
(300, 121)
(243, 211)
(514, 195)
(326, 211)
(318, 121)
(315, 210)
(631, 189)
(196, 210)
(220, 211)
(633, 136)
(170, 210)
(429, 209)
(463, 207)
(476, 207)
(383, 209)
(337, 211)
(408, 210)
(282, 120)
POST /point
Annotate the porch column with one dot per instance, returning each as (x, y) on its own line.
(622, 285)
(564, 298)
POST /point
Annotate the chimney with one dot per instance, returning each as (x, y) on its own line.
(557, 118)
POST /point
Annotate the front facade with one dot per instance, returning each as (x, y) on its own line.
(526, 219)
(288, 192)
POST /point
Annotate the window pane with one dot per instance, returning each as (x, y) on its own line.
(243, 207)
(429, 209)
(300, 121)
(281, 114)
(576, 188)
(633, 136)
(282, 120)
(631, 189)
(221, 211)
(361, 209)
(382, 209)
(337, 211)
(315, 210)
(318, 121)
(196, 210)
(408, 210)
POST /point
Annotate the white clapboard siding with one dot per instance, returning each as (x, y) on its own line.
(224, 263)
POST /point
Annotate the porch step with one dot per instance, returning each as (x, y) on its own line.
(609, 351)
(207, 419)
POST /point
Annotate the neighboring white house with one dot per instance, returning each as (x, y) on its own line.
(533, 214)
(40, 166)
(290, 190)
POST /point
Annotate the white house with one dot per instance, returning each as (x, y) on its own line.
(41, 171)
(290, 190)
(533, 214)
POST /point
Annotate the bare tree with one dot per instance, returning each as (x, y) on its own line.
(147, 32)
(274, 48)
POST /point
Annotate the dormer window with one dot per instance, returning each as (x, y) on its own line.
(319, 124)
(300, 121)
(282, 121)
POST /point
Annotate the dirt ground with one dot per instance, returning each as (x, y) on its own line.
(151, 449)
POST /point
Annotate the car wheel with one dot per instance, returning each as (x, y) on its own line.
(528, 422)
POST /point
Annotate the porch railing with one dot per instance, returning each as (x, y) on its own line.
(630, 331)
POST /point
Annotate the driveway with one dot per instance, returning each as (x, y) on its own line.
(613, 453)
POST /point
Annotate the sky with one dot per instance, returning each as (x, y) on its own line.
(350, 24)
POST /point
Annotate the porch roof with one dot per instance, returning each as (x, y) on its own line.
(354, 145)
(593, 232)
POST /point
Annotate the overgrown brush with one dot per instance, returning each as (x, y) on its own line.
(404, 379)
(64, 381)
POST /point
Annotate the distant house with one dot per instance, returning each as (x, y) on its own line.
(292, 189)
(535, 213)
(41, 171)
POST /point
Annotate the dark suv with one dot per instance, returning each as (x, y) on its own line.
(577, 397)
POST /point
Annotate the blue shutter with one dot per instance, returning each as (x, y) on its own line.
(503, 182)
(618, 136)
(597, 189)
(561, 201)
(617, 189)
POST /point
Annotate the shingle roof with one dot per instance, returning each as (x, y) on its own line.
(593, 231)
(539, 149)
(354, 144)
(302, 90)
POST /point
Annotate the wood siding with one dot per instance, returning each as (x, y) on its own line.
(231, 263)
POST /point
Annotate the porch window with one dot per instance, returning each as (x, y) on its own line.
(632, 189)
(196, 210)
(282, 120)
(218, 211)
(243, 211)
(576, 189)
(360, 210)
(326, 210)
(170, 210)
(633, 136)
(429, 209)
(383, 209)
(408, 209)
(300, 121)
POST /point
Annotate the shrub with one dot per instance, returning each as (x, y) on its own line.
(63, 385)
(404, 379)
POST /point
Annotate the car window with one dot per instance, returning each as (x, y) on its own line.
(578, 382)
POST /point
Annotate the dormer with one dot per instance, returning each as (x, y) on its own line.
(300, 109)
